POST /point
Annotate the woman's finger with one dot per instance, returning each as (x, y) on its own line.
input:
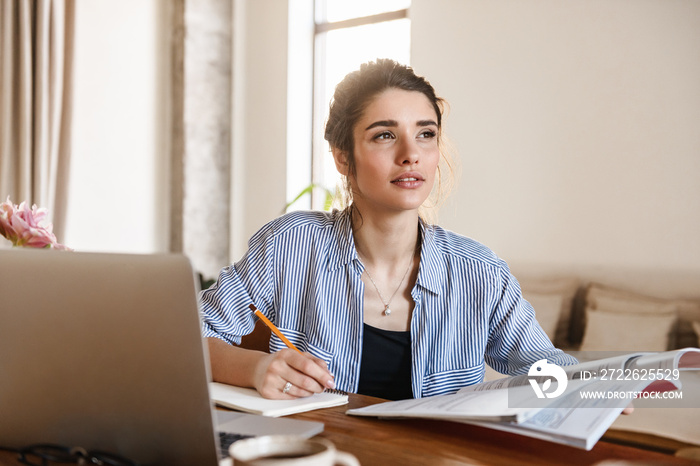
(315, 376)
(302, 371)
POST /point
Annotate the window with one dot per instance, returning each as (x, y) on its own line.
(347, 34)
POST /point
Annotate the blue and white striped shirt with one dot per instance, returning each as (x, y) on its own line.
(303, 272)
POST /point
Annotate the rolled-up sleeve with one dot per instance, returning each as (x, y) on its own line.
(225, 305)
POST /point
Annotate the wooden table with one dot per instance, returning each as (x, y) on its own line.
(441, 443)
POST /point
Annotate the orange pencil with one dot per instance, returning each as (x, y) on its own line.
(273, 328)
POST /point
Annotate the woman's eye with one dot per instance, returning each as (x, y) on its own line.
(428, 134)
(384, 135)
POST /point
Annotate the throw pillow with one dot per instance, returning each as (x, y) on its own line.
(603, 298)
(612, 331)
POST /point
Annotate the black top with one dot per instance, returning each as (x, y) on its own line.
(385, 370)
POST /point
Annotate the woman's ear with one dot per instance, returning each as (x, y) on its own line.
(341, 161)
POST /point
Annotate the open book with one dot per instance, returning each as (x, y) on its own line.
(250, 401)
(576, 409)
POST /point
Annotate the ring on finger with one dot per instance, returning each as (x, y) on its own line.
(288, 386)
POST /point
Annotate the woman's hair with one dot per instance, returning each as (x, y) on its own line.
(352, 96)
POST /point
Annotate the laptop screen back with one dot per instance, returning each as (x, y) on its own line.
(104, 351)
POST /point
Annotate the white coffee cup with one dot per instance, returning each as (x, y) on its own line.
(288, 450)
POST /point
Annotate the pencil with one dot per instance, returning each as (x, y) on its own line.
(274, 329)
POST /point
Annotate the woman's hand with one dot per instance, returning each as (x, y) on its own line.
(307, 375)
(629, 409)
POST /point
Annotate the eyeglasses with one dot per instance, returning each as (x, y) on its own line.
(44, 454)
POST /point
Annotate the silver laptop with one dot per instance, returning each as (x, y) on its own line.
(104, 352)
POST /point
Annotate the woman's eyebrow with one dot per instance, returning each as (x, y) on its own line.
(393, 123)
(426, 123)
(382, 123)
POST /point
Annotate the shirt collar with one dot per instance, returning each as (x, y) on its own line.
(432, 270)
(344, 251)
(430, 273)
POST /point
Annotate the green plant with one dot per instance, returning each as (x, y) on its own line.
(327, 203)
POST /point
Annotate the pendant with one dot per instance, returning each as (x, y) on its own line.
(387, 311)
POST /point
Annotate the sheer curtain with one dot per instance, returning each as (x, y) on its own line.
(36, 43)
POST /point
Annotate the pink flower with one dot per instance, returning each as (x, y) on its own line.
(25, 227)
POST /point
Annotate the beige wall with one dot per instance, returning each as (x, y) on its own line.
(576, 124)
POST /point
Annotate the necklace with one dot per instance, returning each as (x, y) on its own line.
(387, 310)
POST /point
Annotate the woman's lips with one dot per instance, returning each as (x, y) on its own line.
(409, 180)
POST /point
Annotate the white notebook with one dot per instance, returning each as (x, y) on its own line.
(250, 401)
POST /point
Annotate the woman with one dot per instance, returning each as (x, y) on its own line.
(381, 302)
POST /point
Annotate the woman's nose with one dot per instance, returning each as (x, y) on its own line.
(408, 152)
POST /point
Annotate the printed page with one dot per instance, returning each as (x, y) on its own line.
(567, 426)
(486, 405)
(580, 420)
(573, 419)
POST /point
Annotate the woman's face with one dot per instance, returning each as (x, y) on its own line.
(396, 153)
